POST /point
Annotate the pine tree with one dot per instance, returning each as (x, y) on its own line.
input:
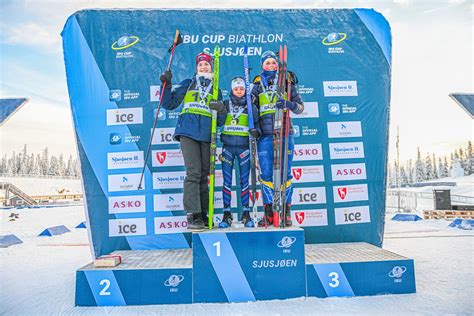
(54, 166)
(403, 176)
(410, 171)
(435, 168)
(440, 168)
(428, 168)
(62, 166)
(3, 165)
(420, 173)
(470, 158)
(445, 168)
(45, 162)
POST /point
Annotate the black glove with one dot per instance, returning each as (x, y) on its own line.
(166, 77)
(254, 133)
(217, 106)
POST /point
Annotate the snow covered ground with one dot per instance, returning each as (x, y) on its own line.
(38, 276)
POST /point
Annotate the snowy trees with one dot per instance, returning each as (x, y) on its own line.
(431, 167)
(44, 164)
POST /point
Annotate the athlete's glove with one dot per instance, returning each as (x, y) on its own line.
(284, 104)
(166, 77)
(217, 106)
(254, 133)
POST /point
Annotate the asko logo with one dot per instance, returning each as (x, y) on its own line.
(355, 171)
(310, 218)
(311, 110)
(126, 116)
(127, 159)
(346, 150)
(167, 158)
(127, 227)
(350, 193)
(170, 224)
(352, 215)
(344, 129)
(309, 196)
(308, 174)
(308, 152)
(168, 202)
(163, 136)
(127, 204)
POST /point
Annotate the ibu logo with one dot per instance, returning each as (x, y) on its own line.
(174, 280)
(286, 243)
(334, 38)
(161, 114)
(334, 108)
(115, 95)
(397, 273)
(115, 139)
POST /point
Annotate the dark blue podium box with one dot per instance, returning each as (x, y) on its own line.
(144, 278)
(248, 265)
(357, 269)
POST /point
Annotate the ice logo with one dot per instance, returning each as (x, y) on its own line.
(397, 272)
(124, 179)
(286, 242)
(115, 139)
(174, 280)
(334, 108)
(125, 42)
(170, 199)
(334, 38)
(115, 95)
(343, 126)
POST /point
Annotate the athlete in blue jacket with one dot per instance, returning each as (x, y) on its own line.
(235, 140)
(264, 93)
(193, 131)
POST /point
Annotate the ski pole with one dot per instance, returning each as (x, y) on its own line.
(177, 40)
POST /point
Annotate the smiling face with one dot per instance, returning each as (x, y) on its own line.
(270, 64)
(238, 91)
(204, 66)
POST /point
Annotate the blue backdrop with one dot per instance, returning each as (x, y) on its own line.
(342, 59)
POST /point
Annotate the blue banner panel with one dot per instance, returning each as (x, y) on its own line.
(361, 278)
(343, 62)
(133, 287)
(242, 266)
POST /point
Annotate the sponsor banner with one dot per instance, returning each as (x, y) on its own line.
(127, 227)
(126, 116)
(127, 204)
(155, 93)
(340, 88)
(308, 152)
(353, 171)
(352, 215)
(311, 110)
(167, 158)
(308, 174)
(163, 136)
(346, 150)
(124, 182)
(344, 129)
(305, 218)
(309, 196)
(170, 224)
(168, 180)
(168, 202)
(350, 193)
(127, 159)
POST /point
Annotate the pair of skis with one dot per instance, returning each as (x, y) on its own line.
(212, 173)
(281, 131)
(253, 141)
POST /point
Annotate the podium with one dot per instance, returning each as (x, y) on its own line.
(241, 265)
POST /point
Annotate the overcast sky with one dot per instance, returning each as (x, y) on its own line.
(432, 57)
